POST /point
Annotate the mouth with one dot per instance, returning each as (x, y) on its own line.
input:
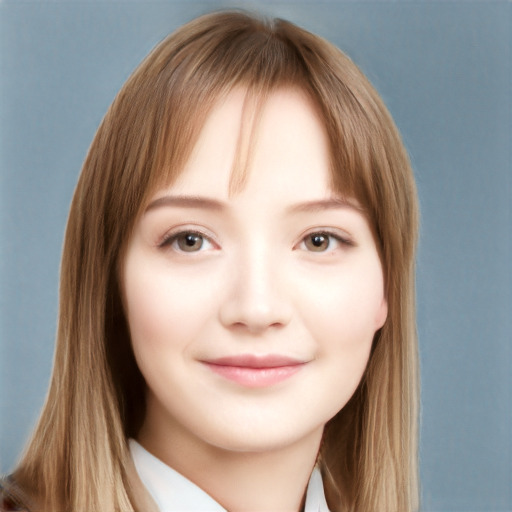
(255, 371)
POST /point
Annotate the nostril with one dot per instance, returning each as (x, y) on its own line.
(242, 316)
(255, 327)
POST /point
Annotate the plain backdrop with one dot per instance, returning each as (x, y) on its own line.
(444, 70)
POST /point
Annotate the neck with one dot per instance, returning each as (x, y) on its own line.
(271, 479)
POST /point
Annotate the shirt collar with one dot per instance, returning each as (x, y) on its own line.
(172, 492)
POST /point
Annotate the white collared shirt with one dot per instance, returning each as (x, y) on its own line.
(172, 492)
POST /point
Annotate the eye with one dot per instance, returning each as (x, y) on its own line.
(187, 241)
(322, 241)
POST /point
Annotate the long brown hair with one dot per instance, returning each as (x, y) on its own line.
(78, 457)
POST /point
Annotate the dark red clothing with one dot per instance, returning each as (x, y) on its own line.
(12, 498)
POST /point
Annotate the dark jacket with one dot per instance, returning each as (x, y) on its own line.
(12, 498)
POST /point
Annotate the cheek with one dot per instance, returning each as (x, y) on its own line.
(151, 310)
(342, 315)
(166, 310)
(349, 306)
(147, 311)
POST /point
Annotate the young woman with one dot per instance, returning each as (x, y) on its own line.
(237, 326)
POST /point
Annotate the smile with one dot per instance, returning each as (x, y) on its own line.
(255, 371)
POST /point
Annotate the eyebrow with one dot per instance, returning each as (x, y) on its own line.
(207, 203)
(325, 204)
(186, 202)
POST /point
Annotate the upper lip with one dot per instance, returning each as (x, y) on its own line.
(255, 361)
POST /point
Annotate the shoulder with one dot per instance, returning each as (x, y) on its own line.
(12, 498)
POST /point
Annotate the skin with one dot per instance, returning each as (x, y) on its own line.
(282, 267)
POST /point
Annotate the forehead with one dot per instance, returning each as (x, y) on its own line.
(278, 141)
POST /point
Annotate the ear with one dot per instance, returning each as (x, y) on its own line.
(381, 314)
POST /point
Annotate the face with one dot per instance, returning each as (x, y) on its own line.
(252, 315)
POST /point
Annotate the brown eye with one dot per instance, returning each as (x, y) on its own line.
(317, 242)
(189, 242)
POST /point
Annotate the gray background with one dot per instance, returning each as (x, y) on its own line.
(444, 70)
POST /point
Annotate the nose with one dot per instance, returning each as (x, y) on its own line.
(256, 299)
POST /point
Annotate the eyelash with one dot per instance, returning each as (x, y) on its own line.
(326, 234)
(174, 237)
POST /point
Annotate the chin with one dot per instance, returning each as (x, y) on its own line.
(259, 439)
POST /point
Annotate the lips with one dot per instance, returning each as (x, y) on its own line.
(255, 371)
(254, 361)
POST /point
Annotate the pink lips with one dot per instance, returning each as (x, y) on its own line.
(255, 371)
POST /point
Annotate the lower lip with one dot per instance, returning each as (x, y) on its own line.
(255, 377)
